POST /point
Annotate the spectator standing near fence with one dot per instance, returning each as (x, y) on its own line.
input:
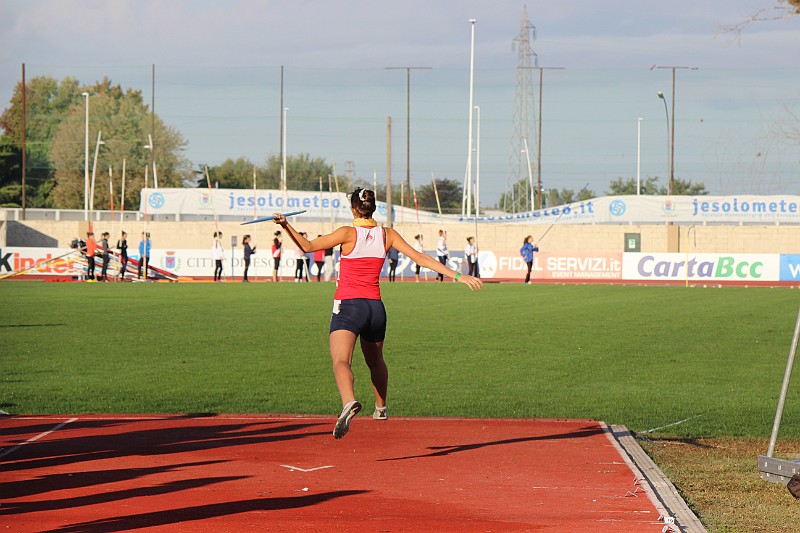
(442, 252)
(144, 254)
(91, 249)
(394, 257)
(526, 252)
(319, 260)
(218, 254)
(276, 255)
(122, 246)
(471, 253)
(328, 263)
(105, 254)
(248, 252)
(299, 261)
(418, 248)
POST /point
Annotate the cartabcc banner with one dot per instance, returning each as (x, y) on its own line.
(701, 267)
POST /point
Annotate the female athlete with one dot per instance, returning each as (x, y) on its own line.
(357, 307)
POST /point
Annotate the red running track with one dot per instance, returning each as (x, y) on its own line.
(104, 473)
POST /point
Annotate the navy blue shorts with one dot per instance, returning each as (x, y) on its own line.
(361, 316)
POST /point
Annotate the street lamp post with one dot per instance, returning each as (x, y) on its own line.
(478, 165)
(638, 156)
(94, 170)
(408, 118)
(467, 205)
(86, 162)
(669, 146)
(671, 186)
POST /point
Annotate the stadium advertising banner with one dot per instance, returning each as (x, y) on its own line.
(783, 209)
(42, 261)
(550, 266)
(244, 203)
(706, 267)
(547, 266)
(662, 209)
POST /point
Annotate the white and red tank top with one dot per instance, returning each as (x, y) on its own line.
(360, 270)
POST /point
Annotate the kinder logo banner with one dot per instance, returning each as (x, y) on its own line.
(701, 267)
(40, 261)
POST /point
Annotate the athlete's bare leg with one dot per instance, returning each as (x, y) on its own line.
(342, 343)
(373, 355)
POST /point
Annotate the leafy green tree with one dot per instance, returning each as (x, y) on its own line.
(231, 174)
(518, 199)
(650, 186)
(567, 196)
(450, 195)
(10, 173)
(46, 102)
(621, 187)
(124, 121)
(55, 121)
(303, 174)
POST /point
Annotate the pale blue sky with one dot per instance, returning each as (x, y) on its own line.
(218, 64)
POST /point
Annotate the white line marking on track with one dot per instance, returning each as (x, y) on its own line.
(37, 437)
(290, 467)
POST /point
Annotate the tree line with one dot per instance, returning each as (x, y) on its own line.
(55, 122)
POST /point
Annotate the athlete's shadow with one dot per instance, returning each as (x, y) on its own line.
(65, 448)
(201, 512)
(458, 448)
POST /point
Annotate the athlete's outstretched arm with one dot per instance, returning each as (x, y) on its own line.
(395, 239)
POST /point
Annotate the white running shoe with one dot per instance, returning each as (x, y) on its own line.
(343, 424)
(380, 413)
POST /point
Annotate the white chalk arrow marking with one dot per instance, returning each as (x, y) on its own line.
(290, 467)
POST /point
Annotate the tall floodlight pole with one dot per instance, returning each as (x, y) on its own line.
(669, 151)
(283, 154)
(524, 113)
(389, 218)
(94, 169)
(408, 118)
(539, 138)
(530, 173)
(638, 156)
(478, 165)
(86, 162)
(671, 186)
(24, 144)
(467, 201)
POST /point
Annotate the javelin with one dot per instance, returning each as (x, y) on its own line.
(559, 217)
(271, 217)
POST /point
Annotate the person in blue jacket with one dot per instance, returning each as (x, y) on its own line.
(526, 252)
(144, 254)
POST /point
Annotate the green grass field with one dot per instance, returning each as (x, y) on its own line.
(645, 357)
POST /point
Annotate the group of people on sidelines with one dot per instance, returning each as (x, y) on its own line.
(93, 250)
(323, 260)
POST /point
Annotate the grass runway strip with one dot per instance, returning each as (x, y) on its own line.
(643, 357)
